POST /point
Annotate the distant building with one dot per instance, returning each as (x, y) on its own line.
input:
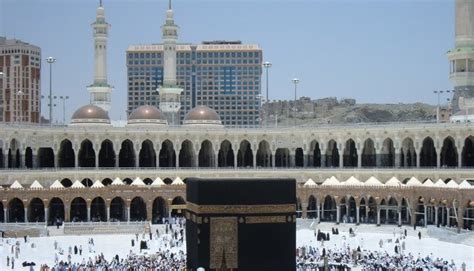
(225, 76)
(20, 82)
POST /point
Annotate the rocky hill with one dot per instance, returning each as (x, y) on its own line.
(331, 110)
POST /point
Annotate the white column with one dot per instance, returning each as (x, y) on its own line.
(255, 159)
(128, 214)
(359, 158)
(5, 215)
(26, 214)
(341, 158)
(235, 159)
(460, 157)
(357, 215)
(137, 159)
(399, 216)
(108, 213)
(425, 218)
(88, 214)
(338, 213)
(447, 217)
(386, 216)
(436, 215)
(46, 215)
(319, 213)
(438, 158)
(76, 158)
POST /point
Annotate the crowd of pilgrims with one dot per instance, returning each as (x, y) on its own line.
(310, 258)
(166, 258)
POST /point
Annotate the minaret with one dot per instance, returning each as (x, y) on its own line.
(461, 58)
(100, 90)
(169, 92)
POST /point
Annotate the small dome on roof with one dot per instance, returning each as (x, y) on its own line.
(90, 114)
(202, 115)
(147, 114)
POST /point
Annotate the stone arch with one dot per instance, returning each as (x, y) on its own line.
(314, 154)
(468, 152)
(87, 182)
(206, 154)
(167, 181)
(127, 154)
(56, 211)
(348, 210)
(245, 154)
(408, 153)
(107, 155)
(368, 154)
(117, 209)
(428, 153)
(328, 208)
(107, 181)
(159, 210)
(66, 155)
(14, 155)
(138, 209)
(332, 154)
(28, 157)
(282, 158)
(177, 201)
(449, 153)
(186, 155)
(45, 158)
(78, 210)
(226, 154)
(147, 155)
(387, 153)
(350, 154)
(312, 207)
(98, 210)
(36, 210)
(86, 154)
(299, 157)
(167, 155)
(16, 210)
(66, 182)
(147, 181)
(264, 154)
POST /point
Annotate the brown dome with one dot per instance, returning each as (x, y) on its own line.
(147, 114)
(202, 113)
(90, 114)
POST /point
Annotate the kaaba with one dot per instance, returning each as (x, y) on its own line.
(241, 224)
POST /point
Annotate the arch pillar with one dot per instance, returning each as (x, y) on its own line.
(56, 158)
(418, 157)
(26, 214)
(149, 210)
(67, 215)
(46, 212)
(338, 212)
(34, 159)
(460, 157)
(255, 158)
(323, 157)
(397, 158)
(305, 158)
(117, 146)
(438, 158)
(341, 157)
(436, 215)
(359, 158)
(177, 149)
(304, 209)
(5, 215)
(157, 157)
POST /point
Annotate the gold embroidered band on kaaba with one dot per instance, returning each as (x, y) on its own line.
(241, 209)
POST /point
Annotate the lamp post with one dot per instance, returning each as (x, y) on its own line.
(50, 61)
(19, 96)
(295, 82)
(64, 98)
(267, 65)
(438, 92)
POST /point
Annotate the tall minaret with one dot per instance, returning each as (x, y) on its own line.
(169, 92)
(100, 90)
(461, 58)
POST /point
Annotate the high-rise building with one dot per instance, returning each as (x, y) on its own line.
(100, 90)
(461, 58)
(20, 81)
(223, 75)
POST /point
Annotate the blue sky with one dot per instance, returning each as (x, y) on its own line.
(380, 51)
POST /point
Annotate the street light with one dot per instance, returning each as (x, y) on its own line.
(64, 98)
(438, 92)
(295, 82)
(50, 61)
(267, 65)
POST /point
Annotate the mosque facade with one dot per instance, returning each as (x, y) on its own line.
(90, 170)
